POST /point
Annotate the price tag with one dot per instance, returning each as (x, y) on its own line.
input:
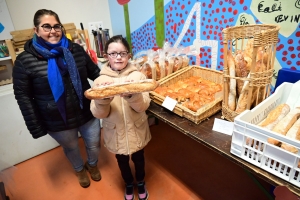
(169, 103)
(223, 126)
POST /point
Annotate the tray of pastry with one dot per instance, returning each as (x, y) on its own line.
(197, 90)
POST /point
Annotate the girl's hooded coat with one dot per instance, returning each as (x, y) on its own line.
(124, 120)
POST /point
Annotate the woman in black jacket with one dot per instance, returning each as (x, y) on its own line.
(49, 79)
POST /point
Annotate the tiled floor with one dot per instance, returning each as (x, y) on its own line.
(177, 167)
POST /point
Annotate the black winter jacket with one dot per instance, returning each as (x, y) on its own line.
(34, 96)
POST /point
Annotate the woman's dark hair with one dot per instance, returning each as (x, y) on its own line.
(40, 13)
(117, 38)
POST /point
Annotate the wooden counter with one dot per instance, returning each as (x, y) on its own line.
(218, 142)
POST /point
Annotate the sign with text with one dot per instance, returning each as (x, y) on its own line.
(285, 13)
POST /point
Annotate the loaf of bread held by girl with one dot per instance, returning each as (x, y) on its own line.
(122, 88)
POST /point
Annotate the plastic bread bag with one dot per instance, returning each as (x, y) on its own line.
(184, 52)
(177, 60)
(169, 62)
(160, 71)
(149, 68)
(139, 59)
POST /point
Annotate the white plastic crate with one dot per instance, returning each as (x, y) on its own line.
(249, 141)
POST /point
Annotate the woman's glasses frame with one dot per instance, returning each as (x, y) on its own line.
(48, 27)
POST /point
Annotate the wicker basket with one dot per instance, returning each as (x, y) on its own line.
(205, 111)
(265, 38)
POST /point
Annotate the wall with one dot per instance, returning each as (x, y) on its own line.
(199, 24)
(6, 24)
(75, 11)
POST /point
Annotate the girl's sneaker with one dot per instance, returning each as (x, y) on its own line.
(129, 195)
(142, 191)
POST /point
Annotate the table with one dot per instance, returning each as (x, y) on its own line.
(218, 142)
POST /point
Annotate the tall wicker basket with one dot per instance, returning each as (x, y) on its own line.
(263, 49)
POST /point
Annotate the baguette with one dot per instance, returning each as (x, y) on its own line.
(272, 119)
(275, 116)
(123, 88)
(293, 133)
(232, 91)
(285, 124)
(241, 70)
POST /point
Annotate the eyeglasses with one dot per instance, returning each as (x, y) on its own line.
(115, 54)
(48, 28)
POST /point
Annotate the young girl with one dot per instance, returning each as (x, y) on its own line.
(125, 125)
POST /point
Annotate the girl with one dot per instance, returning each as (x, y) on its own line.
(125, 125)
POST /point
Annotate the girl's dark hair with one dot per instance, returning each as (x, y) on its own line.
(117, 38)
(40, 13)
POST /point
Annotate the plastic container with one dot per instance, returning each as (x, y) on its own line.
(249, 141)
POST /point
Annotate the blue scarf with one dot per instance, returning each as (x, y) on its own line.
(60, 62)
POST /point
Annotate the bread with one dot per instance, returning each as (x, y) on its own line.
(169, 63)
(123, 88)
(293, 133)
(177, 63)
(285, 124)
(232, 88)
(146, 69)
(185, 61)
(241, 70)
(157, 71)
(275, 116)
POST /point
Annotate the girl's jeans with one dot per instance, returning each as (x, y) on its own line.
(68, 139)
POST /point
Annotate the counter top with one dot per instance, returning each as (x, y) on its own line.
(218, 142)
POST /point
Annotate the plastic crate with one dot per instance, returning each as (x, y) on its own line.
(249, 141)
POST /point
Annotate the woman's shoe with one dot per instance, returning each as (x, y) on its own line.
(142, 191)
(83, 178)
(94, 171)
(129, 192)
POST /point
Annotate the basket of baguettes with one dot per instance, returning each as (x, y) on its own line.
(268, 135)
(106, 91)
(197, 90)
(249, 55)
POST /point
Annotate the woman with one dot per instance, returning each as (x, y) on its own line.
(49, 79)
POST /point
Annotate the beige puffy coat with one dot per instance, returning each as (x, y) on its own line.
(124, 120)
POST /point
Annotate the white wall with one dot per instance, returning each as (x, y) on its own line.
(76, 11)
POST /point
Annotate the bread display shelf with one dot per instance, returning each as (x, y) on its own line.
(121, 88)
(249, 56)
(204, 112)
(269, 157)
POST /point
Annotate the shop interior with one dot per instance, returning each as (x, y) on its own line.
(187, 158)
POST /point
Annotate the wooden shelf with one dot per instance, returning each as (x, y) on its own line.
(5, 58)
